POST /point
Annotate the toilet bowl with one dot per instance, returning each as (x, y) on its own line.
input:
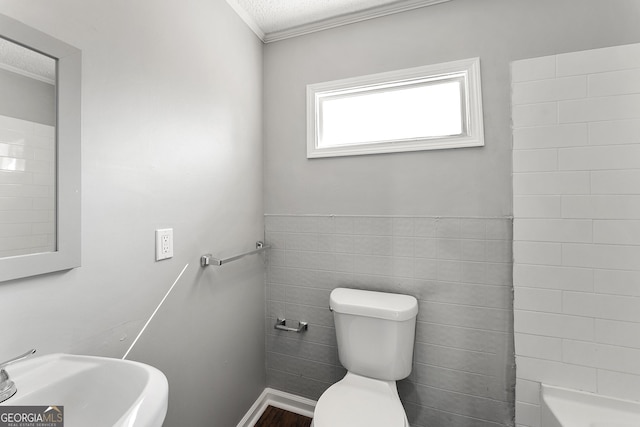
(357, 401)
(375, 333)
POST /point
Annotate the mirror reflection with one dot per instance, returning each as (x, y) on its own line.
(27, 151)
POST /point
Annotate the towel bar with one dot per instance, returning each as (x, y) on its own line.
(208, 259)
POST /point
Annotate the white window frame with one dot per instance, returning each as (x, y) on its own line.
(467, 71)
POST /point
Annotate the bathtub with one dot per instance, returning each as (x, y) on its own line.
(562, 407)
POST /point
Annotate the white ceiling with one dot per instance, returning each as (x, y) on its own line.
(274, 20)
(27, 62)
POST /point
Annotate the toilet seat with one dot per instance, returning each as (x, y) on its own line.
(357, 401)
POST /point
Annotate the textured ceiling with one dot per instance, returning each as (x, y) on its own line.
(274, 20)
(27, 62)
(277, 15)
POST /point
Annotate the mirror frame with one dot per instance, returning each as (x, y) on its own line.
(68, 134)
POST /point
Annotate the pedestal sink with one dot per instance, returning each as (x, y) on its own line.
(95, 391)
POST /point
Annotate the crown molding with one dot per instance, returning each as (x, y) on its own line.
(251, 23)
(28, 74)
(350, 18)
(325, 24)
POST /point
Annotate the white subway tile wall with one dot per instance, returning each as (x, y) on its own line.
(27, 187)
(460, 269)
(576, 224)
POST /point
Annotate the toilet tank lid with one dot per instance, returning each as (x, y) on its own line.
(381, 305)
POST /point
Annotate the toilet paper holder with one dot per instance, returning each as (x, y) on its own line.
(281, 325)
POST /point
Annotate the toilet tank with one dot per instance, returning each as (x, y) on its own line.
(375, 332)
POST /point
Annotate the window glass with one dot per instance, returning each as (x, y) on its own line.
(437, 106)
(417, 111)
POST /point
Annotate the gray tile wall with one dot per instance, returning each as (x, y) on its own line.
(460, 269)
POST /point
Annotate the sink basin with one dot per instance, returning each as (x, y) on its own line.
(95, 391)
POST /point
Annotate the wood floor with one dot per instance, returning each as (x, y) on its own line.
(276, 417)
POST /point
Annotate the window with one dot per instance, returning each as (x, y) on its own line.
(424, 108)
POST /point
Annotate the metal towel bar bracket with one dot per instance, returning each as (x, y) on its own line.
(281, 325)
(208, 259)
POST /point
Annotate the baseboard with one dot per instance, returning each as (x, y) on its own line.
(279, 399)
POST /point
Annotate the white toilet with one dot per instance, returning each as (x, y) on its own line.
(375, 332)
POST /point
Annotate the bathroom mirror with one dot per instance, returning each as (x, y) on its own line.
(39, 152)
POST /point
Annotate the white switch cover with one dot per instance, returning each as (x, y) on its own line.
(164, 243)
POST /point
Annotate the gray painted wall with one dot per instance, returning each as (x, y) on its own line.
(469, 182)
(27, 99)
(171, 137)
(456, 185)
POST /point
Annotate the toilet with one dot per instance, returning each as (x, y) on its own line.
(375, 333)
